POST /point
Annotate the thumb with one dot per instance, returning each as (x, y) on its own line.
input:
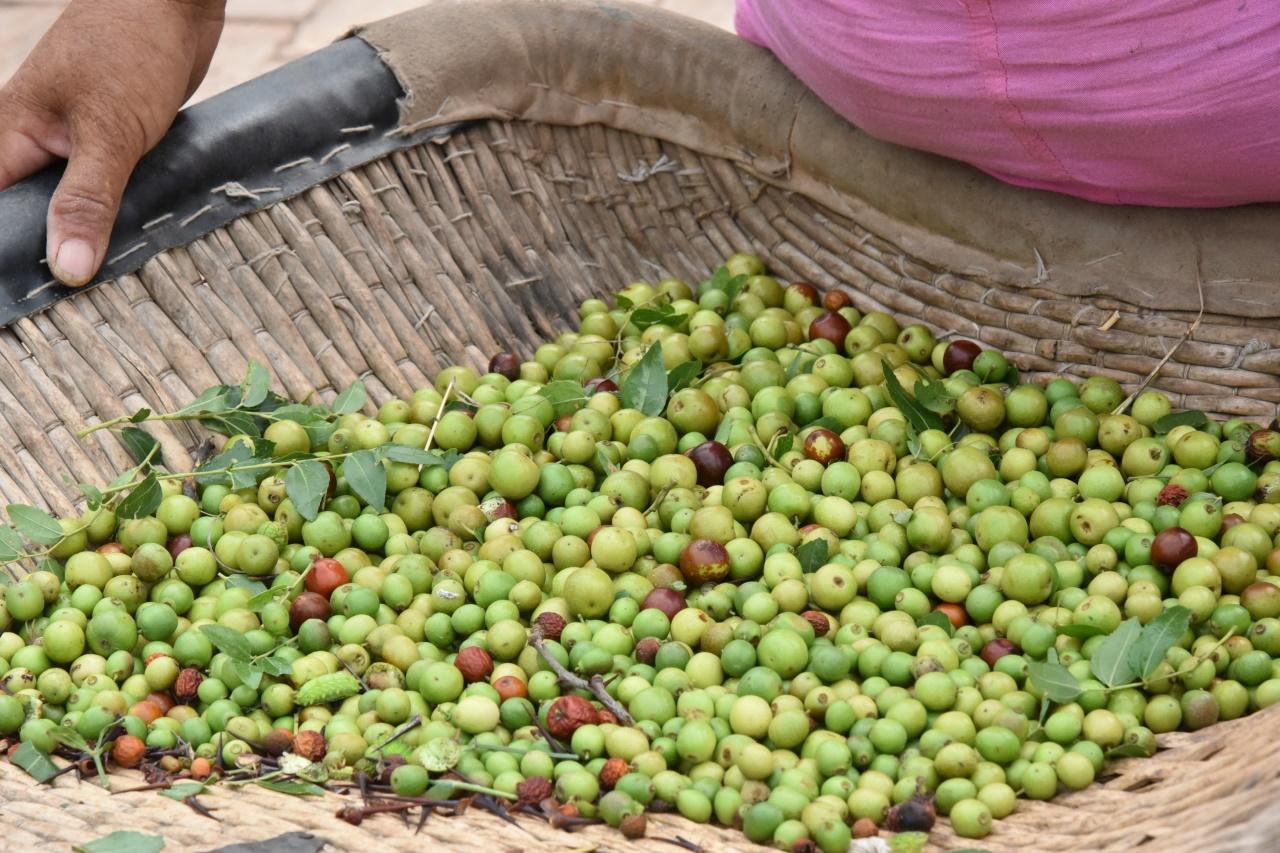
(84, 206)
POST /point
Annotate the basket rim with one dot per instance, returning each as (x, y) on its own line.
(574, 62)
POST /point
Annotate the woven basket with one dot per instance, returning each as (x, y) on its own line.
(589, 145)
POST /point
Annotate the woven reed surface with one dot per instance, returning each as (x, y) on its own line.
(451, 251)
(487, 241)
(1209, 792)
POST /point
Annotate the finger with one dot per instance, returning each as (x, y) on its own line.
(29, 140)
(20, 155)
(85, 204)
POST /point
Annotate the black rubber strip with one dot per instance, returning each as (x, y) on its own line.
(237, 152)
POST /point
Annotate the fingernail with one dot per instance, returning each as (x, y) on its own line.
(74, 262)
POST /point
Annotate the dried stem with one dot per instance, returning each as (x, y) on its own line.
(567, 679)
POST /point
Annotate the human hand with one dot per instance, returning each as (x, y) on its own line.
(100, 90)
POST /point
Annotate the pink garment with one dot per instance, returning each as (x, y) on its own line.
(1172, 103)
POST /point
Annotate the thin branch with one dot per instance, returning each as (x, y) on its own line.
(576, 682)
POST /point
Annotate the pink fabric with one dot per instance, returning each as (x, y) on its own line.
(1159, 102)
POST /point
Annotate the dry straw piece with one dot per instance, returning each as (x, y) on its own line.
(572, 181)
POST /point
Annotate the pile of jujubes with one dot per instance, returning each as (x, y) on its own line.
(737, 551)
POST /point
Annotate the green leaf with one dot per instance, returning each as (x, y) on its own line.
(917, 415)
(934, 397)
(1111, 661)
(938, 619)
(603, 462)
(229, 641)
(351, 400)
(413, 455)
(140, 444)
(1191, 419)
(261, 599)
(1158, 636)
(210, 400)
(367, 478)
(182, 790)
(238, 581)
(1127, 750)
(275, 666)
(211, 472)
(812, 555)
(11, 547)
(123, 841)
(92, 494)
(724, 430)
(72, 738)
(802, 363)
(298, 413)
(783, 445)
(292, 787)
(733, 286)
(319, 431)
(255, 386)
(682, 375)
(623, 302)
(35, 524)
(643, 318)
(307, 483)
(1054, 680)
(645, 388)
(143, 500)
(1081, 632)
(233, 423)
(247, 672)
(35, 762)
(140, 416)
(565, 396)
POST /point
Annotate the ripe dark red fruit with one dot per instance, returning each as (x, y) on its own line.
(1170, 547)
(506, 364)
(835, 300)
(703, 561)
(959, 355)
(474, 663)
(601, 384)
(996, 649)
(326, 575)
(178, 544)
(823, 445)
(821, 624)
(647, 650)
(1230, 520)
(308, 605)
(568, 714)
(831, 326)
(510, 687)
(805, 290)
(310, 745)
(915, 815)
(712, 459)
(669, 601)
(550, 624)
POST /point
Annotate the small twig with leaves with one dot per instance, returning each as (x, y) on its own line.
(568, 679)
